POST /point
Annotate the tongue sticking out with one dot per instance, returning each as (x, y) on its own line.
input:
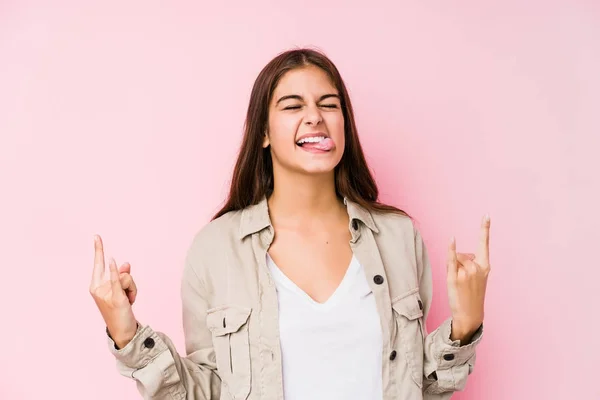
(324, 145)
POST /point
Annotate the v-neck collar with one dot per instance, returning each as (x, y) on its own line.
(256, 217)
(344, 285)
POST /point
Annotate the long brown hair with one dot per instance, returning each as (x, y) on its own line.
(253, 173)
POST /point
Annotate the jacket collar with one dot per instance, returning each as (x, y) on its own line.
(256, 217)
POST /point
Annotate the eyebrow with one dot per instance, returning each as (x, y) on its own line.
(297, 97)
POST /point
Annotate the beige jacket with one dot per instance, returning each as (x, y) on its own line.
(230, 316)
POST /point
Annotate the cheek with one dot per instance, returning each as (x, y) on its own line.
(282, 132)
(335, 126)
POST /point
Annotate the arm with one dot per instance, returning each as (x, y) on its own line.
(447, 363)
(152, 360)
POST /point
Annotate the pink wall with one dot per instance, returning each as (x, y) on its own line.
(123, 118)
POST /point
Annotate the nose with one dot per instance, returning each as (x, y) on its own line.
(313, 116)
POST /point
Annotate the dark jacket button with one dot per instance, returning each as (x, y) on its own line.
(393, 355)
(448, 357)
(420, 305)
(378, 279)
(354, 225)
(149, 343)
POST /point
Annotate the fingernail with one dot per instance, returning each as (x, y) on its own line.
(487, 217)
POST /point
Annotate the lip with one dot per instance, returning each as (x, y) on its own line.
(314, 134)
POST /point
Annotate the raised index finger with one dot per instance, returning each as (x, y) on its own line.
(483, 253)
(452, 260)
(98, 273)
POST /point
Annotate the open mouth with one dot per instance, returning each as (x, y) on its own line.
(316, 143)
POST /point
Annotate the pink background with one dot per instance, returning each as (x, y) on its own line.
(123, 118)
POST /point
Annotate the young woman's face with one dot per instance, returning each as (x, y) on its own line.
(306, 124)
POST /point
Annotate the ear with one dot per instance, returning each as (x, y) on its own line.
(266, 141)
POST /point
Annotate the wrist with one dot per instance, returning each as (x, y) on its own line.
(119, 344)
(121, 340)
(463, 331)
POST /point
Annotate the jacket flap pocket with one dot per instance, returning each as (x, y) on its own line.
(227, 319)
(409, 305)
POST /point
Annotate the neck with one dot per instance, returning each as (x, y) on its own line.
(303, 198)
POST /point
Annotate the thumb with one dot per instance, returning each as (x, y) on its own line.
(126, 267)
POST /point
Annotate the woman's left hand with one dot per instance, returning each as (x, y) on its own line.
(467, 282)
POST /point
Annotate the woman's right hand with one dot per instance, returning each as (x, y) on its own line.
(114, 297)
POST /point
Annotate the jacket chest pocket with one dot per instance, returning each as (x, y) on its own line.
(408, 313)
(229, 327)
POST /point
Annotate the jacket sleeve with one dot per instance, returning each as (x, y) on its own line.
(151, 359)
(447, 363)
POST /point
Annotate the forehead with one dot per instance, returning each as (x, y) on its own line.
(306, 80)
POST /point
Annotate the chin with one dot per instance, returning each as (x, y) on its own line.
(321, 169)
(314, 166)
(318, 172)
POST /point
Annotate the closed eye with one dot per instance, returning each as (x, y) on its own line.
(323, 105)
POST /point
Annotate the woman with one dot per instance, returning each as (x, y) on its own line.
(303, 286)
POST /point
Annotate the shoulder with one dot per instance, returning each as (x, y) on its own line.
(215, 237)
(394, 224)
(400, 232)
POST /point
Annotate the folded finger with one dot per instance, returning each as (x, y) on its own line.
(126, 267)
(128, 284)
(470, 266)
(465, 256)
(125, 279)
(114, 278)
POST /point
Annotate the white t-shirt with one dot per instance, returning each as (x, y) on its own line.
(330, 350)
